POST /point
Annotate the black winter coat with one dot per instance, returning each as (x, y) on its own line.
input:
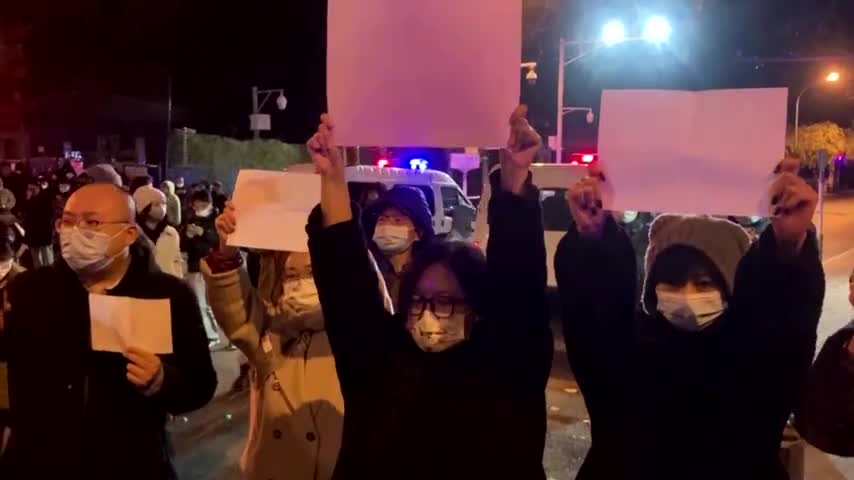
(74, 413)
(477, 410)
(666, 403)
(826, 418)
(39, 220)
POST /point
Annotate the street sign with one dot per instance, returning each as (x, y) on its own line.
(259, 122)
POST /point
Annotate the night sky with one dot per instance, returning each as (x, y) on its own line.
(215, 51)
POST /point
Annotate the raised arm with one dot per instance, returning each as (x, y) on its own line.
(596, 275)
(516, 258)
(357, 321)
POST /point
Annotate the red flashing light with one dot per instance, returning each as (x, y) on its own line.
(383, 162)
(588, 158)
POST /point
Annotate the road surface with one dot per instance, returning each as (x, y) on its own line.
(208, 442)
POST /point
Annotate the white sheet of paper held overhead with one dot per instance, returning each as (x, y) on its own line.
(439, 73)
(709, 152)
(272, 209)
(121, 322)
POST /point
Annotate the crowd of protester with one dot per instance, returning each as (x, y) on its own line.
(385, 352)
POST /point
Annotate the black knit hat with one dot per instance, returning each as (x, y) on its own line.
(412, 202)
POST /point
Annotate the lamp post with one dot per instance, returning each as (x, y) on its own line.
(831, 77)
(257, 120)
(656, 31)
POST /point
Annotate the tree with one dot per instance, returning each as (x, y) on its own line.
(816, 137)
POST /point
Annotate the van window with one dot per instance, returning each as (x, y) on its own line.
(556, 215)
(451, 199)
(358, 190)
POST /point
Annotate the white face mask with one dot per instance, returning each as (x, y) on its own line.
(86, 251)
(157, 213)
(434, 334)
(392, 239)
(64, 188)
(5, 268)
(298, 309)
(690, 311)
(204, 212)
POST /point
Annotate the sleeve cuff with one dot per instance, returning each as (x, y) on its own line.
(156, 384)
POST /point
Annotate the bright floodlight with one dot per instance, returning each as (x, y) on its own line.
(832, 77)
(613, 33)
(657, 30)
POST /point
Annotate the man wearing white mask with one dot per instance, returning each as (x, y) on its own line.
(94, 414)
(151, 218)
(402, 222)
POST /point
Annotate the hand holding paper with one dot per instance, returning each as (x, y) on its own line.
(226, 224)
(143, 367)
(273, 208)
(335, 198)
(586, 205)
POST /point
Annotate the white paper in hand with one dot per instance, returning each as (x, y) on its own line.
(440, 73)
(121, 322)
(710, 152)
(272, 209)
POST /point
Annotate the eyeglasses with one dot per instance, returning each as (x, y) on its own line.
(442, 307)
(84, 223)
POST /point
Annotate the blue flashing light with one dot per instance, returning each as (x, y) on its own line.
(419, 164)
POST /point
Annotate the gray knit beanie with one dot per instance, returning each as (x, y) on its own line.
(722, 241)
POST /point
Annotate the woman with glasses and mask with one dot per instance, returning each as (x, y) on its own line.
(453, 385)
(701, 382)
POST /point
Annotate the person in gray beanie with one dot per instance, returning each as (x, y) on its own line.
(698, 382)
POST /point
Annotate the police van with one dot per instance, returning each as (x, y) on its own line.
(453, 214)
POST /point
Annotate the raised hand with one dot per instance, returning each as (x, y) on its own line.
(523, 145)
(793, 204)
(226, 224)
(324, 152)
(585, 204)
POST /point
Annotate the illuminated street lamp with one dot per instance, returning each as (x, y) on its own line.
(831, 77)
(260, 121)
(657, 31)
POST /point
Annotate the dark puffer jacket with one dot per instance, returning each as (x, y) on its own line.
(474, 411)
(74, 414)
(666, 403)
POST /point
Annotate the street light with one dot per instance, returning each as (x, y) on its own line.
(259, 121)
(831, 77)
(531, 76)
(657, 31)
(613, 32)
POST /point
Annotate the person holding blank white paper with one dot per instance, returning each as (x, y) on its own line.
(296, 406)
(701, 383)
(97, 414)
(453, 387)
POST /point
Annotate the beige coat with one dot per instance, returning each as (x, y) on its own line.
(296, 409)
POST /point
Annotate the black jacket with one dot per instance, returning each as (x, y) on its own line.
(39, 220)
(74, 413)
(665, 403)
(474, 411)
(826, 418)
(199, 246)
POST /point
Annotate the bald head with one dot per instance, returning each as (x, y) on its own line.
(104, 201)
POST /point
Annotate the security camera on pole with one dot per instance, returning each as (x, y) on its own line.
(261, 121)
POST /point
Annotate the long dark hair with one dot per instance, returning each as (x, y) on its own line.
(467, 263)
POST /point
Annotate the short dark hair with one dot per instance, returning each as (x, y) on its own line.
(680, 264)
(467, 263)
(138, 182)
(200, 195)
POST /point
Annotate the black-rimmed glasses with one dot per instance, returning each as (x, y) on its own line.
(442, 307)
